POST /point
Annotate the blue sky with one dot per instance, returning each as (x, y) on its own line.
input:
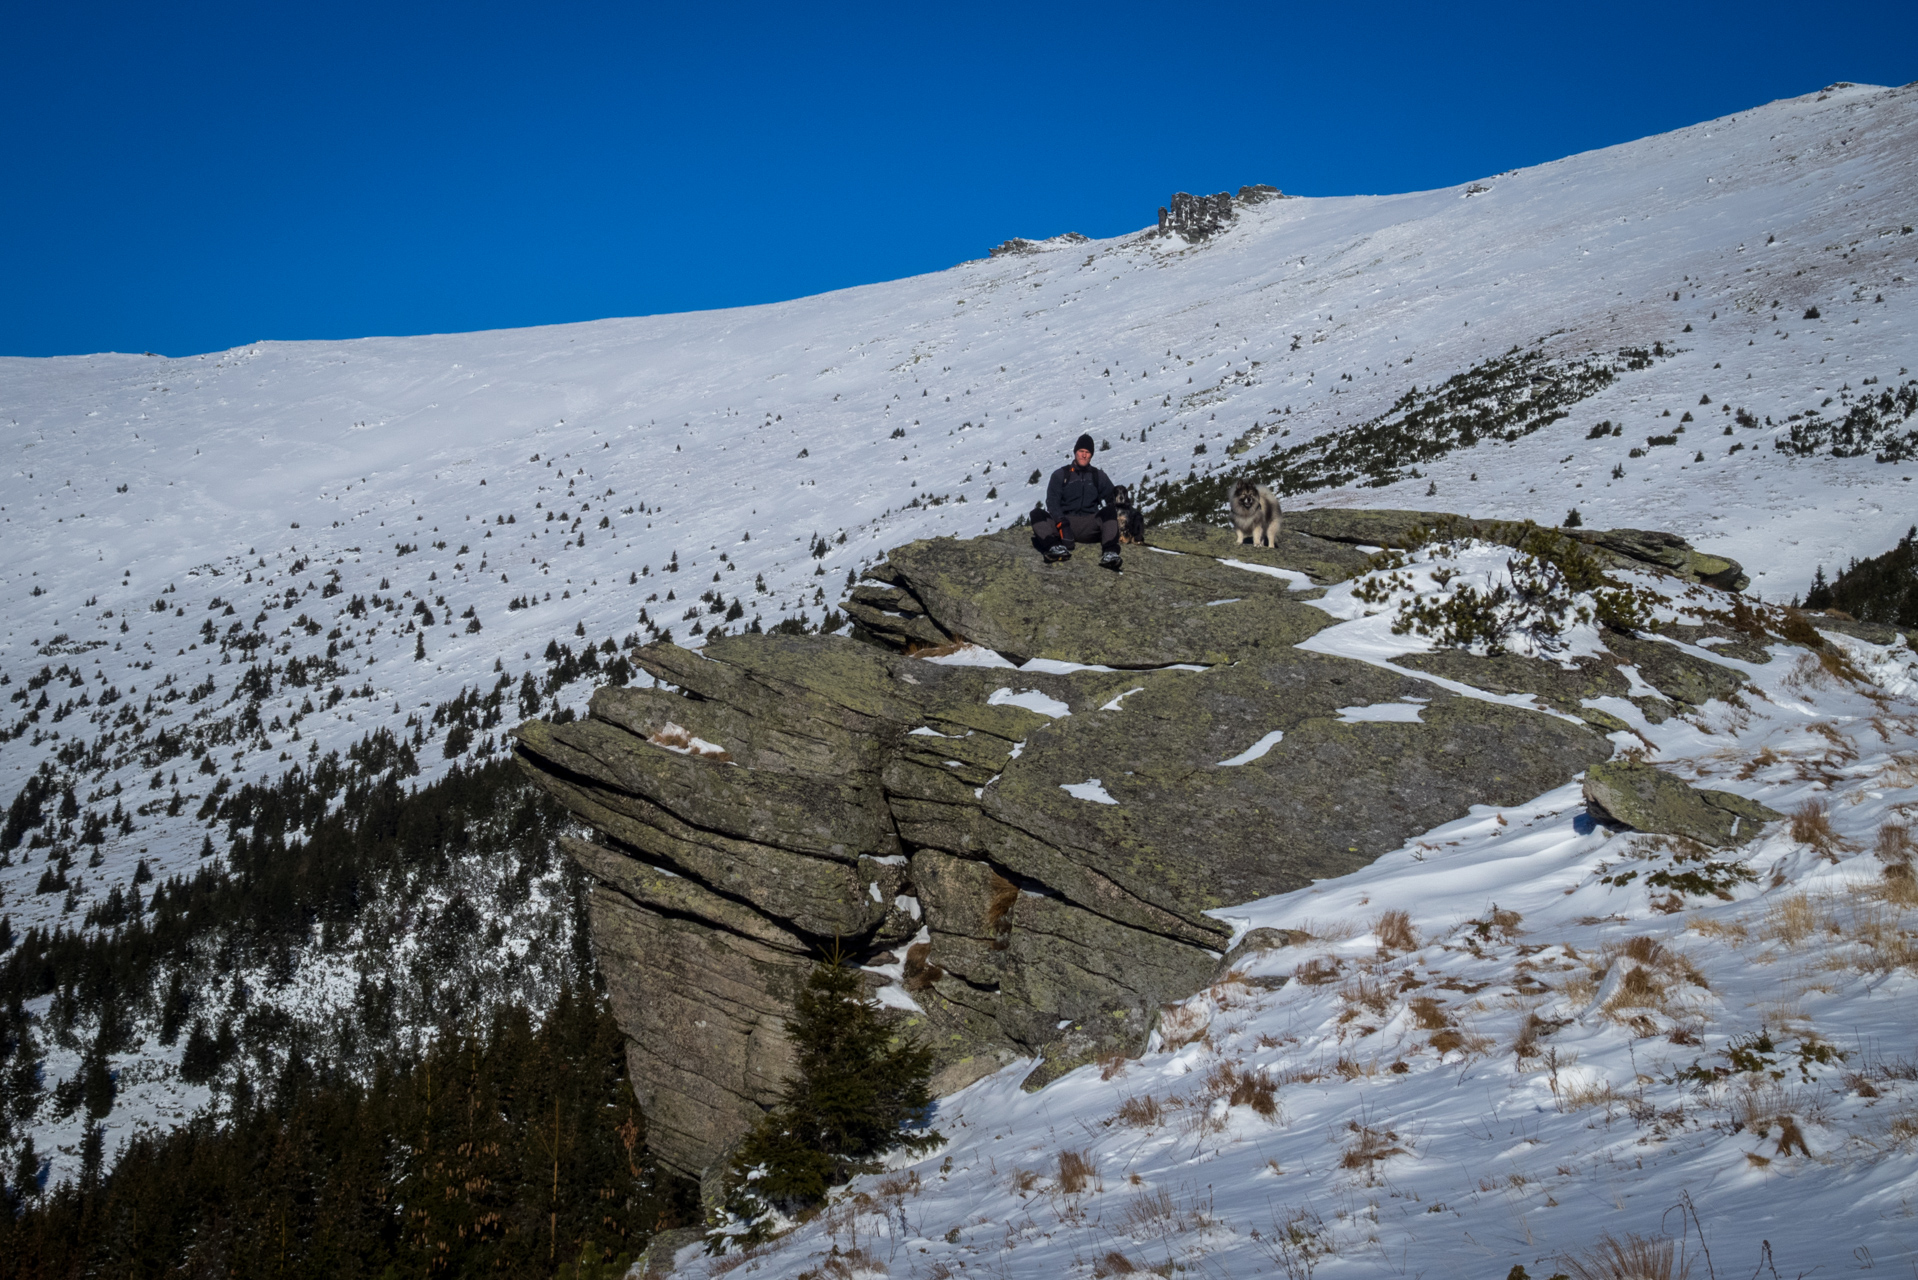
(191, 177)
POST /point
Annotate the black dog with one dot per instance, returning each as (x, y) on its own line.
(1131, 520)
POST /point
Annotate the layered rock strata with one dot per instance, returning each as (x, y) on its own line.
(1024, 840)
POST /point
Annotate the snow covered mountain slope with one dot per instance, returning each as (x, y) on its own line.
(1501, 1045)
(245, 560)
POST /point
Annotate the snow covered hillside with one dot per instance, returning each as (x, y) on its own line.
(1514, 1039)
(224, 566)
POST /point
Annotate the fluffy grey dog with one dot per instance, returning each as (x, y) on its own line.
(1255, 513)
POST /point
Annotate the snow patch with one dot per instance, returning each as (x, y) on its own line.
(1091, 789)
(1031, 700)
(1256, 750)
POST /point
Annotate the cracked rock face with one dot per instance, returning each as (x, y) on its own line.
(1024, 859)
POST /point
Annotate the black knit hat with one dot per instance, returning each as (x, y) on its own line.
(1085, 442)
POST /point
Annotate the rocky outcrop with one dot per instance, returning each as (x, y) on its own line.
(1017, 247)
(1193, 218)
(1626, 793)
(1023, 841)
(1663, 553)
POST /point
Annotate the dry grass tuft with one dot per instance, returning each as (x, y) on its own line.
(1368, 1146)
(844, 1264)
(1793, 919)
(726, 1262)
(1903, 1129)
(1767, 1107)
(1838, 664)
(1811, 824)
(1895, 845)
(1576, 1095)
(1428, 1014)
(1578, 987)
(1732, 931)
(1889, 944)
(1826, 669)
(1633, 1258)
(1076, 1170)
(1639, 990)
(1649, 983)
(1764, 759)
(1141, 1112)
(1498, 925)
(1258, 1091)
(900, 1185)
(1317, 971)
(1899, 886)
(1647, 951)
(1113, 1264)
(1525, 1043)
(1149, 1212)
(1444, 1042)
(1364, 995)
(1239, 1088)
(1183, 1024)
(1395, 932)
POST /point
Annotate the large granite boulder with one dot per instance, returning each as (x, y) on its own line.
(1025, 841)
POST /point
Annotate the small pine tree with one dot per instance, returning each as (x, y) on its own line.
(857, 1094)
(1819, 597)
(1573, 520)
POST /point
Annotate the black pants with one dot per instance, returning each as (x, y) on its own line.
(1082, 527)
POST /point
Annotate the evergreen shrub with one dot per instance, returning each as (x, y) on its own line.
(859, 1092)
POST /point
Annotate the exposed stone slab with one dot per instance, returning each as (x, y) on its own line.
(669, 894)
(1665, 552)
(1628, 794)
(1560, 687)
(820, 896)
(1678, 675)
(1188, 834)
(1163, 609)
(1321, 560)
(820, 817)
(1364, 527)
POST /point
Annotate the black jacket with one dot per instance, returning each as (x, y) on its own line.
(1076, 490)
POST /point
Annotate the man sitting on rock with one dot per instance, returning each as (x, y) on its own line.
(1079, 508)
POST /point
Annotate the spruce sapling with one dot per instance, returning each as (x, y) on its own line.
(856, 1095)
